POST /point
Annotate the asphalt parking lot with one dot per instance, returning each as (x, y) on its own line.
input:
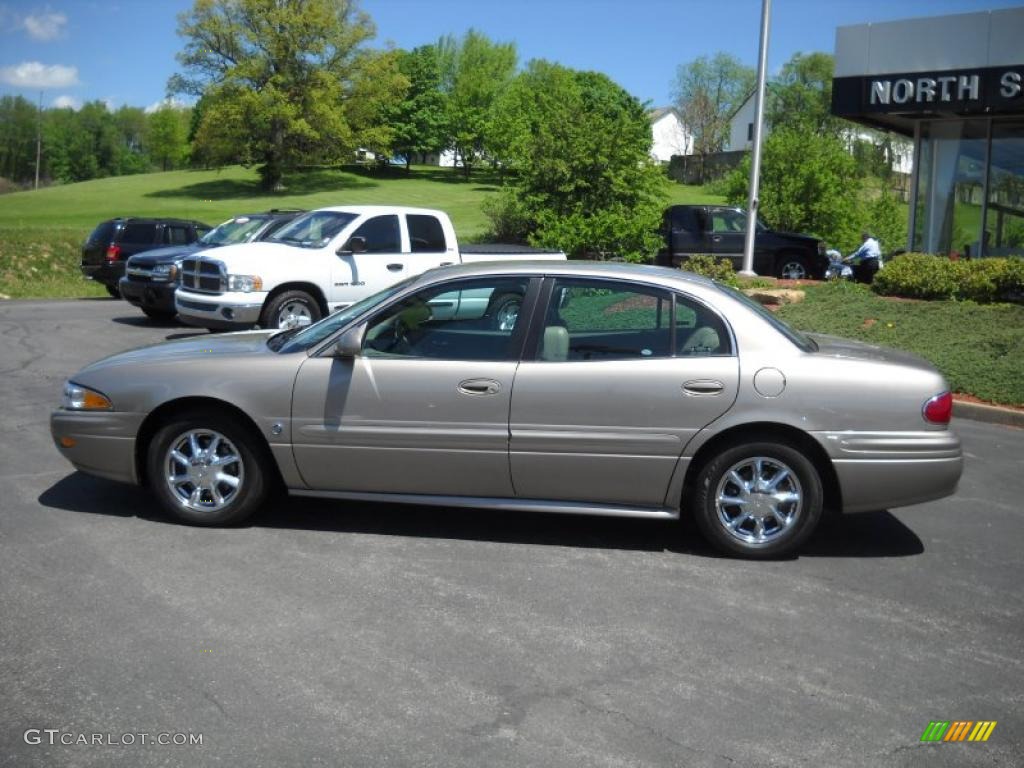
(345, 634)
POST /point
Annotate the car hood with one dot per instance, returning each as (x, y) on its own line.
(793, 237)
(167, 255)
(834, 346)
(249, 258)
(207, 347)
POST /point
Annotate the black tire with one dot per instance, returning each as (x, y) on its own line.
(734, 528)
(114, 291)
(271, 315)
(159, 315)
(503, 311)
(251, 470)
(790, 266)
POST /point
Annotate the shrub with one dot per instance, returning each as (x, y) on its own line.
(707, 265)
(923, 276)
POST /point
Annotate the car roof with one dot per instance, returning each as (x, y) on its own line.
(382, 209)
(155, 220)
(574, 268)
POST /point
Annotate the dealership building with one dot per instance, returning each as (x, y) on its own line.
(955, 86)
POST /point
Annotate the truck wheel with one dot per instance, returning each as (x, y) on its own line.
(792, 268)
(114, 291)
(291, 309)
(758, 499)
(205, 471)
(503, 311)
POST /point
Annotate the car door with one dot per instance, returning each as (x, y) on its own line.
(727, 232)
(387, 252)
(423, 409)
(623, 376)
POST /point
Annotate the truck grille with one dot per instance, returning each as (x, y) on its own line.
(203, 276)
(139, 274)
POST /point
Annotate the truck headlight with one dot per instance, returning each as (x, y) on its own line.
(79, 398)
(245, 283)
(166, 272)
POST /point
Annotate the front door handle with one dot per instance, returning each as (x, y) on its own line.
(703, 387)
(716, 238)
(479, 387)
(396, 267)
(446, 263)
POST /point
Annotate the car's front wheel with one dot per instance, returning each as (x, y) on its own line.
(503, 311)
(758, 499)
(205, 471)
(792, 268)
(290, 309)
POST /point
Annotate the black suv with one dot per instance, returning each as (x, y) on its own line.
(111, 244)
(151, 278)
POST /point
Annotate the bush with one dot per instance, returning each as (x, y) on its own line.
(923, 276)
(707, 265)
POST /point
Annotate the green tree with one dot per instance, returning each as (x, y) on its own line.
(808, 184)
(18, 120)
(708, 91)
(166, 136)
(420, 121)
(578, 145)
(474, 72)
(288, 81)
(887, 220)
(802, 95)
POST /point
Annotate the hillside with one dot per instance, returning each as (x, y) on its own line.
(41, 231)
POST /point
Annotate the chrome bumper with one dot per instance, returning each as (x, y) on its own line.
(100, 443)
(881, 470)
(218, 310)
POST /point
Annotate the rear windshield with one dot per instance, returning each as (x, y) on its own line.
(138, 232)
(802, 341)
(314, 229)
(104, 233)
(240, 229)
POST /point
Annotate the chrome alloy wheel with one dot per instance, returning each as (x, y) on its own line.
(204, 470)
(294, 314)
(758, 500)
(793, 270)
(507, 316)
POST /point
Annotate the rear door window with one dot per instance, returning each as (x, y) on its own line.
(381, 233)
(138, 232)
(426, 234)
(176, 235)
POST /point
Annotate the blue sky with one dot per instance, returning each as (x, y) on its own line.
(122, 51)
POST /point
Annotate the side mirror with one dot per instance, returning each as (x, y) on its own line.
(350, 343)
(355, 244)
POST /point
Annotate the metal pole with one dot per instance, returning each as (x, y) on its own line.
(755, 158)
(39, 136)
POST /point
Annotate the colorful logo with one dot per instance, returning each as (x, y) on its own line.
(958, 730)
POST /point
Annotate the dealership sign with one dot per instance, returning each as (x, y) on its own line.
(995, 89)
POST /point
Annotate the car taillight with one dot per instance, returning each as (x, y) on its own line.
(939, 409)
(113, 253)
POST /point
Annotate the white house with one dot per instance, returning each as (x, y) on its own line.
(669, 135)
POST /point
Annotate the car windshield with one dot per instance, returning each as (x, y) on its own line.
(240, 229)
(314, 229)
(300, 340)
(801, 340)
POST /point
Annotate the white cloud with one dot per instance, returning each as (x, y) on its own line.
(45, 26)
(168, 102)
(32, 74)
(65, 101)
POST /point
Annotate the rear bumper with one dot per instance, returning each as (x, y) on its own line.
(226, 311)
(158, 296)
(108, 273)
(882, 470)
(103, 443)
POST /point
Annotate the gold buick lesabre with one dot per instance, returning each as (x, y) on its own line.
(597, 389)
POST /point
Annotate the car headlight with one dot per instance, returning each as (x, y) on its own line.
(166, 272)
(245, 283)
(79, 398)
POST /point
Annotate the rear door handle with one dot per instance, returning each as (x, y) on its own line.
(479, 387)
(703, 387)
(396, 267)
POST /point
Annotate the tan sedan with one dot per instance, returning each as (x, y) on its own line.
(610, 390)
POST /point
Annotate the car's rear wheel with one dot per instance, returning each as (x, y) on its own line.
(290, 309)
(503, 311)
(758, 499)
(205, 471)
(114, 291)
(790, 267)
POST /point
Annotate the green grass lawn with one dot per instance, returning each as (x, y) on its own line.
(41, 231)
(978, 347)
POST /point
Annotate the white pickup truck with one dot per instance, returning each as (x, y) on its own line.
(324, 260)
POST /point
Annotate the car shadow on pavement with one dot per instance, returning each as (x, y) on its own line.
(874, 534)
(146, 322)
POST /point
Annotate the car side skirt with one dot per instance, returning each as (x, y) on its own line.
(513, 505)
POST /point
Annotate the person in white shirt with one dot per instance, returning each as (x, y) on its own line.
(867, 259)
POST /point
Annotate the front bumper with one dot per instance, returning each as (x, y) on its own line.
(103, 442)
(151, 295)
(882, 470)
(231, 311)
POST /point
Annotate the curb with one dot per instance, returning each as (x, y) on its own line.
(991, 414)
